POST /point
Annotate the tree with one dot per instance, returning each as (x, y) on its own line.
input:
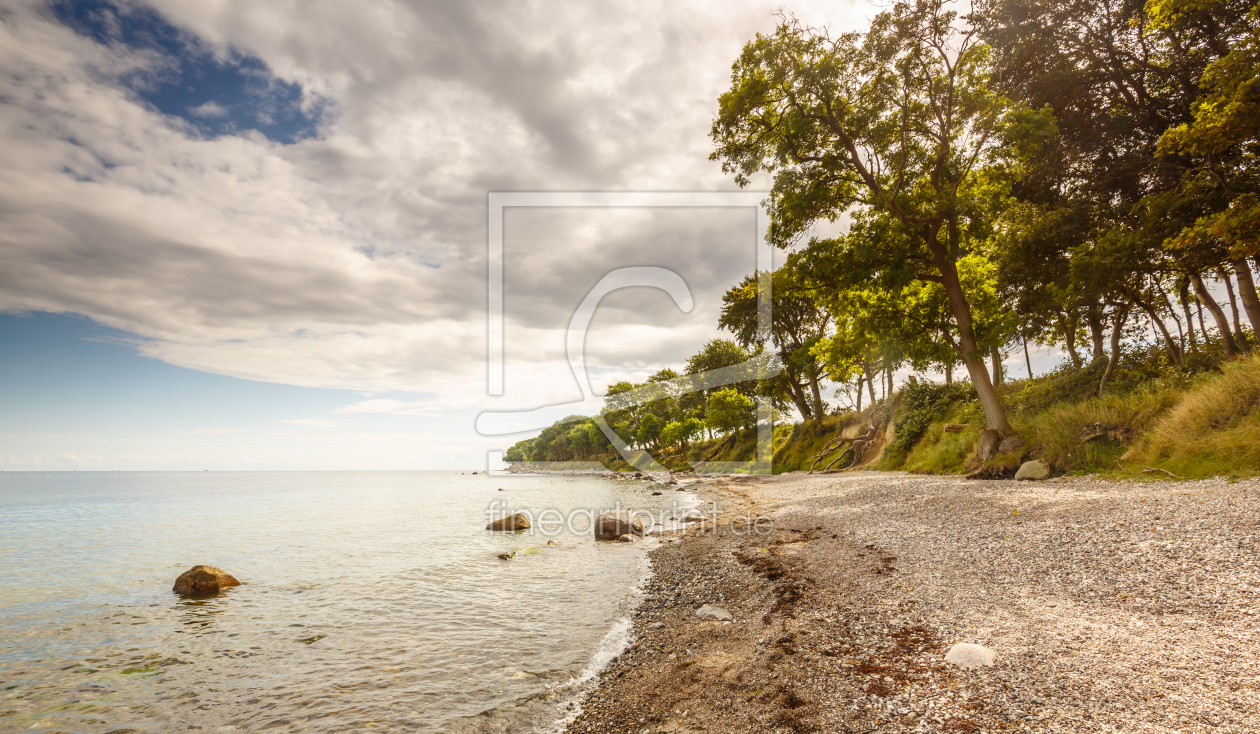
(796, 325)
(728, 410)
(895, 121)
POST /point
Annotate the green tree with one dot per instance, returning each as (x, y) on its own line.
(896, 120)
(728, 410)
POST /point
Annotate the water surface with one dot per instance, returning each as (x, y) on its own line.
(370, 601)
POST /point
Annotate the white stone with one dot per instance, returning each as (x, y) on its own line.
(967, 655)
(708, 611)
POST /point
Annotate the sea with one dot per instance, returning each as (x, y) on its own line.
(370, 601)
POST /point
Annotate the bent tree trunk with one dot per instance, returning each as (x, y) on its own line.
(1222, 323)
(1173, 352)
(1247, 291)
(994, 415)
(1116, 327)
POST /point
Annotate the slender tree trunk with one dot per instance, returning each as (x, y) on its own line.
(870, 386)
(1094, 319)
(1027, 359)
(1222, 323)
(949, 373)
(1172, 312)
(996, 357)
(1247, 291)
(1159, 325)
(1194, 341)
(820, 410)
(1239, 337)
(1069, 338)
(1202, 327)
(890, 381)
(859, 395)
(1116, 327)
(994, 415)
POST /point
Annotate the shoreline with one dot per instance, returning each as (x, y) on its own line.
(1110, 606)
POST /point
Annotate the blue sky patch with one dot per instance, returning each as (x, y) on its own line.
(217, 97)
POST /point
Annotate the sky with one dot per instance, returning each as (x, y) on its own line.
(243, 235)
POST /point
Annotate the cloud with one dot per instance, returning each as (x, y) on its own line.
(210, 109)
(355, 258)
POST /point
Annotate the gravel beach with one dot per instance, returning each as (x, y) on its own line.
(1108, 606)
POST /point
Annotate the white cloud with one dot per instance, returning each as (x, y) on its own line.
(210, 109)
(355, 259)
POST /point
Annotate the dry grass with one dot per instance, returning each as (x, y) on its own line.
(1058, 432)
(1214, 429)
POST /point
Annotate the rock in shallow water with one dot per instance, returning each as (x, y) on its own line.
(517, 521)
(203, 581)
(967, 655)
(613, 525)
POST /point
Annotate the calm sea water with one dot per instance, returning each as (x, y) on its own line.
(370, 601)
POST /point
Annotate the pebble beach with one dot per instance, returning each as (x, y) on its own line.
(1106, 607)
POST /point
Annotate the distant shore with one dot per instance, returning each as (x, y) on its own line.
(1109, 606)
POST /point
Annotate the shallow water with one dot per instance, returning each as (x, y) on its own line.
(371, 600)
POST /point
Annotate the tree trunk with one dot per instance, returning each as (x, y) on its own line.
(1027, 359)
(1159, 325)
(870, 386)
(1194, 341)
(890, 381)
(859, 395)
(1116, 327)
(1094, 319)
(820, 410)
(1069, 338)
(994, 415)
(996, 357)
(1202, 327)
(1239, 337)
(1222, 323)
(1247, 291)
(949, 373)
(797, 395)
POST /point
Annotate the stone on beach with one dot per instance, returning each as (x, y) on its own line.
(968, 655)
(628, 538)
(613, 525)
(203, 581)
(1035, 469)
(516, 521)
(709, 611)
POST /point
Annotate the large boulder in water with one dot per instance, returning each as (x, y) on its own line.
(203, 581)
(613, 525)
(516, 521)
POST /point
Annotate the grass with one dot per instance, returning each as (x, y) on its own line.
(1213, 430)
(1194, 425)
